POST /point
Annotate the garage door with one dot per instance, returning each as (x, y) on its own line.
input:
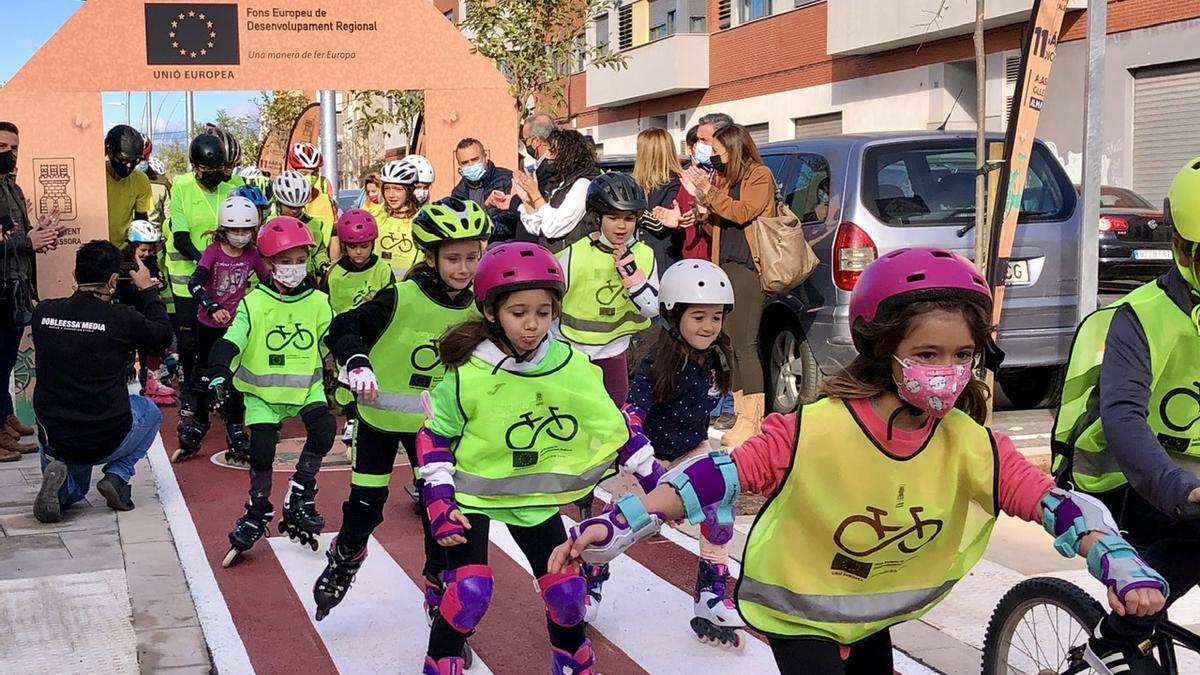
(817, 126)
(1166, 128)
(761, 133)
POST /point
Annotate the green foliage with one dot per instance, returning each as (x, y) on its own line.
(277, 110)
(174, 156)
(378, 109)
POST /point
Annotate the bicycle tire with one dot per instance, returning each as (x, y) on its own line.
(1026, 595)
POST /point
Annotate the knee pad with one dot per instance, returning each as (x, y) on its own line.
(263, 438)
(714, 529)
(187, 340)
(563, 594)
(321, 427)
(467, 592)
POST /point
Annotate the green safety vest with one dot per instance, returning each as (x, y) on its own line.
(201, 220)
(534, 440)
(350, 288)
(1174, 406)
(597, 309)
(405, 358)
(282, 357)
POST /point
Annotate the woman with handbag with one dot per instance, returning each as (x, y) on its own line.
(744, 192)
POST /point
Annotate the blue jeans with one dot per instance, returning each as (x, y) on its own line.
(146, 421)
(10, 346)
(725, 405)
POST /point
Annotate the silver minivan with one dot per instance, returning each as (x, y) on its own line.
(862, 195)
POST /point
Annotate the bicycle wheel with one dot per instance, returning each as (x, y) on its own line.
(1040, 627)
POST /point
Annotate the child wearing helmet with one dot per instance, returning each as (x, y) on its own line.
(293, 193)
(518, 407)
(218, 285)
(307, 160)
(388, 348)
(277, 340)
(142, 239)
(425, 177)
(612, 283)
(353, 280)
(399, 208)
(256, 196)
(898, 442)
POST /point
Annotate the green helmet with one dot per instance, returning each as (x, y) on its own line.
(1182, 205)
(450, 220)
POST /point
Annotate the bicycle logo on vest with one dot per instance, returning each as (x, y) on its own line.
(390, 242)
(1188, 410)
(280, 338)
(423, 359)
(859, 543)
(523, 435)
(607, 296)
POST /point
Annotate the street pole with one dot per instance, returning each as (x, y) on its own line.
(1093, 154)
(327, 98)
(190, 113)
(128, 102)
(982, 220)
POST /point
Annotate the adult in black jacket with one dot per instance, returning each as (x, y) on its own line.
(83, 346)
(480, 178)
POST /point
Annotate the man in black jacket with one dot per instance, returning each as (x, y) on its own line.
(83, 346)
(480, 178)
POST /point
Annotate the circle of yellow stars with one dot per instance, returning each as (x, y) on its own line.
(192, 16)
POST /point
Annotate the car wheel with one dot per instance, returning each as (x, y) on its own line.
(792, 370)
(1039, 387)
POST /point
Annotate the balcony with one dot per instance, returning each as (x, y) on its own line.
(867, 26)
(672, 65)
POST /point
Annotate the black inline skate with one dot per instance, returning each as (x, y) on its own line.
(237, 444)
(333, 584)
(249, 529)
(300, 521)
(191, 432)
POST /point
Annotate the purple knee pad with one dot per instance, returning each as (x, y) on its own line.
(467, 596)
(563, 594)
(713, 529)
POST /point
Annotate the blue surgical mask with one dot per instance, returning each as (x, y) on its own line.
(702, 153)
(474, 172)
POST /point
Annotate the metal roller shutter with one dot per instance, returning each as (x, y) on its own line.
(761, 133)
(817, 126)
(1166, 128)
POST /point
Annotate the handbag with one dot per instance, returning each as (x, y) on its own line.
(781, 254)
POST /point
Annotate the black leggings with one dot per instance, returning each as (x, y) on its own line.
(374, 454)
(185, 335)
(818, 656)
(536, 542)
(235, 405)
(319, 428)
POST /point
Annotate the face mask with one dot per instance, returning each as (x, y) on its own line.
(474, 172)
(122, 169)
(608, 242)
(930, 387)
(238, 239)
(210, 179)
(718, 164)
(290, 276)
(702, 153)
(8, 161)
(421, 195)
(374, 199)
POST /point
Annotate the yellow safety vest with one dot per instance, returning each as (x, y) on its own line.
(1174, 406)
(201, 220)
(856, 540)
(322, 206)
(395, 244)
(596, 308)
(405, 358)
(534, 440)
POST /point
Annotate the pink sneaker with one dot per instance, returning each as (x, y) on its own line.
(160, 393)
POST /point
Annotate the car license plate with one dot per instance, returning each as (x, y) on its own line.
(1152, 254)
(1017, 273)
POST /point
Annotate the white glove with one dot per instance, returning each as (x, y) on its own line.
(362, 382)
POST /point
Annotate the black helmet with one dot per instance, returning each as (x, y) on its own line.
(616, 193)
(207, 151)
(232, 149)
(124, 143)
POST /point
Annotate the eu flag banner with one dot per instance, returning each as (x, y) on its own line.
(198, 34)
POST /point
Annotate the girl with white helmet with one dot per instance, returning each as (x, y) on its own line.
(400, 206)
(221, 279)
(142, 240)
(424, 177)
(293, 193)
(307, 160)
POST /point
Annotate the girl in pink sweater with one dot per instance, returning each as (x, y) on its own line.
(883, 493)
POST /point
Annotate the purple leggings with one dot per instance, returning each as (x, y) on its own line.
(616, 377)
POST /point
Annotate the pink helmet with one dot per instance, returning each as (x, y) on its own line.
(909, 270)
(516, 266)
(357, 226)
(282, 233)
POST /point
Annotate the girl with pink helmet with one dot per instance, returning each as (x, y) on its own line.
(531, 428)
(277, 339)
(882, 494)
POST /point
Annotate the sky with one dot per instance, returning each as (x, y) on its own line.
(35, 22)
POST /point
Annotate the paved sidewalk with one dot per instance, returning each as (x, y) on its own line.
(99, 592)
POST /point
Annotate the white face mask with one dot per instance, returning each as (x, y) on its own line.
(421, 195)
(239, 239)
(290, 276)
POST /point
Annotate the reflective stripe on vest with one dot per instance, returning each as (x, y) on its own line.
(281, 360)
(597, 309)
(881, 543)
(1173, 407)
(538, 438)
(287, 381)
(405, 358)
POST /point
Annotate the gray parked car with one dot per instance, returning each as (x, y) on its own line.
(860, 196)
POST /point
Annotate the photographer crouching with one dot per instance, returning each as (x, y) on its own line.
(83, 346)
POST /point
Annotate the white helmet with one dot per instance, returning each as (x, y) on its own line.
(143, 232)
(399, 172)
(695, 282)
(155, 164)
(291, 188)
(249, 172)
(423, 167)
(305, 156)
(237, 213)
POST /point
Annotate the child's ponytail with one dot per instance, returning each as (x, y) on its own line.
(458, 343)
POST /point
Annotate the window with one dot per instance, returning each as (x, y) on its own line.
(625, 27)
(656, 122)
(659, 32)
(816, 126)
(724, 13)
(934, 183)
(755, 9)
(671, 22)
(761, 133)
(807, 193)
(449, 14)
(602, 34)
(697, 24)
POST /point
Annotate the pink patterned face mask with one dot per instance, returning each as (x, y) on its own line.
(931, 387)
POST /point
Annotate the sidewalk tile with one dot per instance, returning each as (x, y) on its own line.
(145, 523)
(171, 648)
